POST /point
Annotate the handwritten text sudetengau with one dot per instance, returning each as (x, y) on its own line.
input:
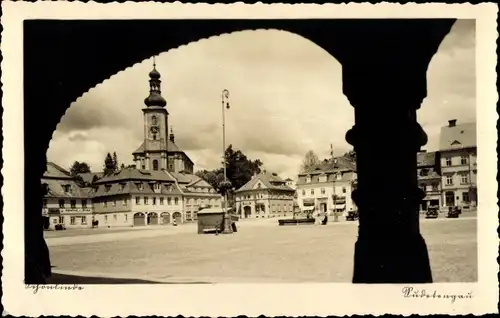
(410, 292)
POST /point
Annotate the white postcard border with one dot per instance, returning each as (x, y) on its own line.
(244, 299)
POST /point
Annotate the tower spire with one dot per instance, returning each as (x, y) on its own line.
(155, 98)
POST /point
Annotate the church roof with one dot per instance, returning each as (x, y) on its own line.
(136, 174)
(270, 180)
(172, 147)
(458, 136)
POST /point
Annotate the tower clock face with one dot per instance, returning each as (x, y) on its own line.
(154, 129)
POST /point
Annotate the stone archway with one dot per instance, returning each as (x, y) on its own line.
(139, 219)
(381, 47)
(152, 218)
(165, 218)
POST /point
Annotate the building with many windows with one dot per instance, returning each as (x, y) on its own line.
(65, 202)
(458, 150)
(265, 195)
(429, 178)
(327, 187)
(144, 197)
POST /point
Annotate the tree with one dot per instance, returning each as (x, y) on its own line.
(239, 170)
(109, 165)
(310, 160)
(351, 155)
(79, 167)
(115, 160)
(122, 166)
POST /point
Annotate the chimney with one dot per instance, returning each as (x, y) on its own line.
(452, 123)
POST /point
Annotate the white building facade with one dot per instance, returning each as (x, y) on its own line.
(327, 188)
(459, 165)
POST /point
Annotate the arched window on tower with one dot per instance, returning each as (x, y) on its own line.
(155, 165)
(154, 120)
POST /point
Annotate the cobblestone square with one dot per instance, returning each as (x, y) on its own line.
(260, 251)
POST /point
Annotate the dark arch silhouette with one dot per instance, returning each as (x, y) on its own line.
(384, 65)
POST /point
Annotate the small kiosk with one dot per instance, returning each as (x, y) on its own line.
(214, 220)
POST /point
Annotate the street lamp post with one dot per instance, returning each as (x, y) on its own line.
(334, 196)
(225, 105)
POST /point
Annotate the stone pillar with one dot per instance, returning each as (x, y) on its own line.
(386, 138)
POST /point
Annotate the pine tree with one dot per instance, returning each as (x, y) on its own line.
(115, 161)
(109, 165)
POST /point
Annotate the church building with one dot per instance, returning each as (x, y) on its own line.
(158, 150)
(161, 189)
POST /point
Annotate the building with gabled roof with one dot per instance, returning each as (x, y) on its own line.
(458, 149)
(429, 178)
(326, 188)
(265, 195)
(65, 202)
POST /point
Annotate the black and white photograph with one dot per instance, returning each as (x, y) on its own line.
(224, 160)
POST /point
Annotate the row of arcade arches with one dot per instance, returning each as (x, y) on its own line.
(153, 218)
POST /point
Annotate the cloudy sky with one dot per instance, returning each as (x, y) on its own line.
(286, 98)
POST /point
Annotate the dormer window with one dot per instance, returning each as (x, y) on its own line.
(140, 186)
(322, 178)
(122, 186)
(308, 179)
(67, 188)
(107, 187)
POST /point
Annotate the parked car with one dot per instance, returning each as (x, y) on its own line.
(432, 212)
(60, 227)
(351, 216)
(454, 212)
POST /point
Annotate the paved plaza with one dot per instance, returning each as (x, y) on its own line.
(261, 251)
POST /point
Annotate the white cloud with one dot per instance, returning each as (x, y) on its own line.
(286, 98)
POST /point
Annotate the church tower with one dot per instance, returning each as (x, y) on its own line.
(152, 154)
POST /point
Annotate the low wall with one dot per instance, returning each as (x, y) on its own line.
(296, 221)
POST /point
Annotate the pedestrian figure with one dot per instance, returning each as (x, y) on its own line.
(325, 220)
